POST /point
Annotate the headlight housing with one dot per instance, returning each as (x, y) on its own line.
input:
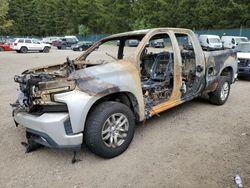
(43, 93)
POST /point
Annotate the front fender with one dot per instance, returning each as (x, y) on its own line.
(79, 104)
(96, 82)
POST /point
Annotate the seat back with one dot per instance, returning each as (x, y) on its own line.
(161, 69)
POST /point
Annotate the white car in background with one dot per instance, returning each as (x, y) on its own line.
(232, 41)
(210, 42)
(243, 55)
(23, 45)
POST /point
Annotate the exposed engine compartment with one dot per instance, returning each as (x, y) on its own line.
(37, 85)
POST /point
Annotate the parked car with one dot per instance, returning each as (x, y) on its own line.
(158, 43)
(5, 47)
(98, 101)
(210, 42)
(64, 43)
(232, 41)
(49, 40)
(23, 45)
(187, 44)
(71, 37)
(10, 41)
(133, 43)
(82, 45)
(2, 41)
(243, 55)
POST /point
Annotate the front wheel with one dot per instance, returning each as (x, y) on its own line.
(220, 95)
(109, 129)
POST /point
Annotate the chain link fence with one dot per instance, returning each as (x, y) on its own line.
(94, 37)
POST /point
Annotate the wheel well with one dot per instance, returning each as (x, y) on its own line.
(125, 98)
(228, 71)
(23, 47)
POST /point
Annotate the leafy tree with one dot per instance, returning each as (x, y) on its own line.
(5, 24)
(61, 17)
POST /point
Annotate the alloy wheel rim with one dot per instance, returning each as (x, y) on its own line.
(115, 130)
(224, 91)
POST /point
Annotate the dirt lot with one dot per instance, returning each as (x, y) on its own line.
(193, 145)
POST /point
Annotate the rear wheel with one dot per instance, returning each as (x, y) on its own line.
(1, 49)
(63, 47)
(80, 49)
(220, 95)
(24, 49)
(109, 129)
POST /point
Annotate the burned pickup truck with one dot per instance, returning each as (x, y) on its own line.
(98, 97)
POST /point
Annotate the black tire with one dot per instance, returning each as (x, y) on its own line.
(217, 97)
(23, 49)
(46, 49)
(63, 47)
(1, 49)
(96, 122)
(59, 47)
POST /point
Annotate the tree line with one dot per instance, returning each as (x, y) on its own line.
(65, 17)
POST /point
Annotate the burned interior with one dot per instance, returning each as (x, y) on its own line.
(156, 65)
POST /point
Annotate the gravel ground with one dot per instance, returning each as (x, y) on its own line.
(193, 145)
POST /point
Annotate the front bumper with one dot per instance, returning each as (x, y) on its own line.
(50, 129)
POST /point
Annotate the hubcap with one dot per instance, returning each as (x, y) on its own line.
(114, 130)
(224, 91)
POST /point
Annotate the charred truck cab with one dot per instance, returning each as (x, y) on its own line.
(98, 97)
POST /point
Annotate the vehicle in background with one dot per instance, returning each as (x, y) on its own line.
(72, 37)
(210, 42)
(10, 40)
(133, 43)
(98, 97)
(82, 45)
(23, 45)
(64, 43)
(49, 40)
(5, 47)
(232, 41)
(2, 41)
(187, 43)
(158, 43)
(243, 55)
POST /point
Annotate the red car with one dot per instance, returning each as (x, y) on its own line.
(5, 47)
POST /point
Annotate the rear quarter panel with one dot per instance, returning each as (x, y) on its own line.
(218, 61)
